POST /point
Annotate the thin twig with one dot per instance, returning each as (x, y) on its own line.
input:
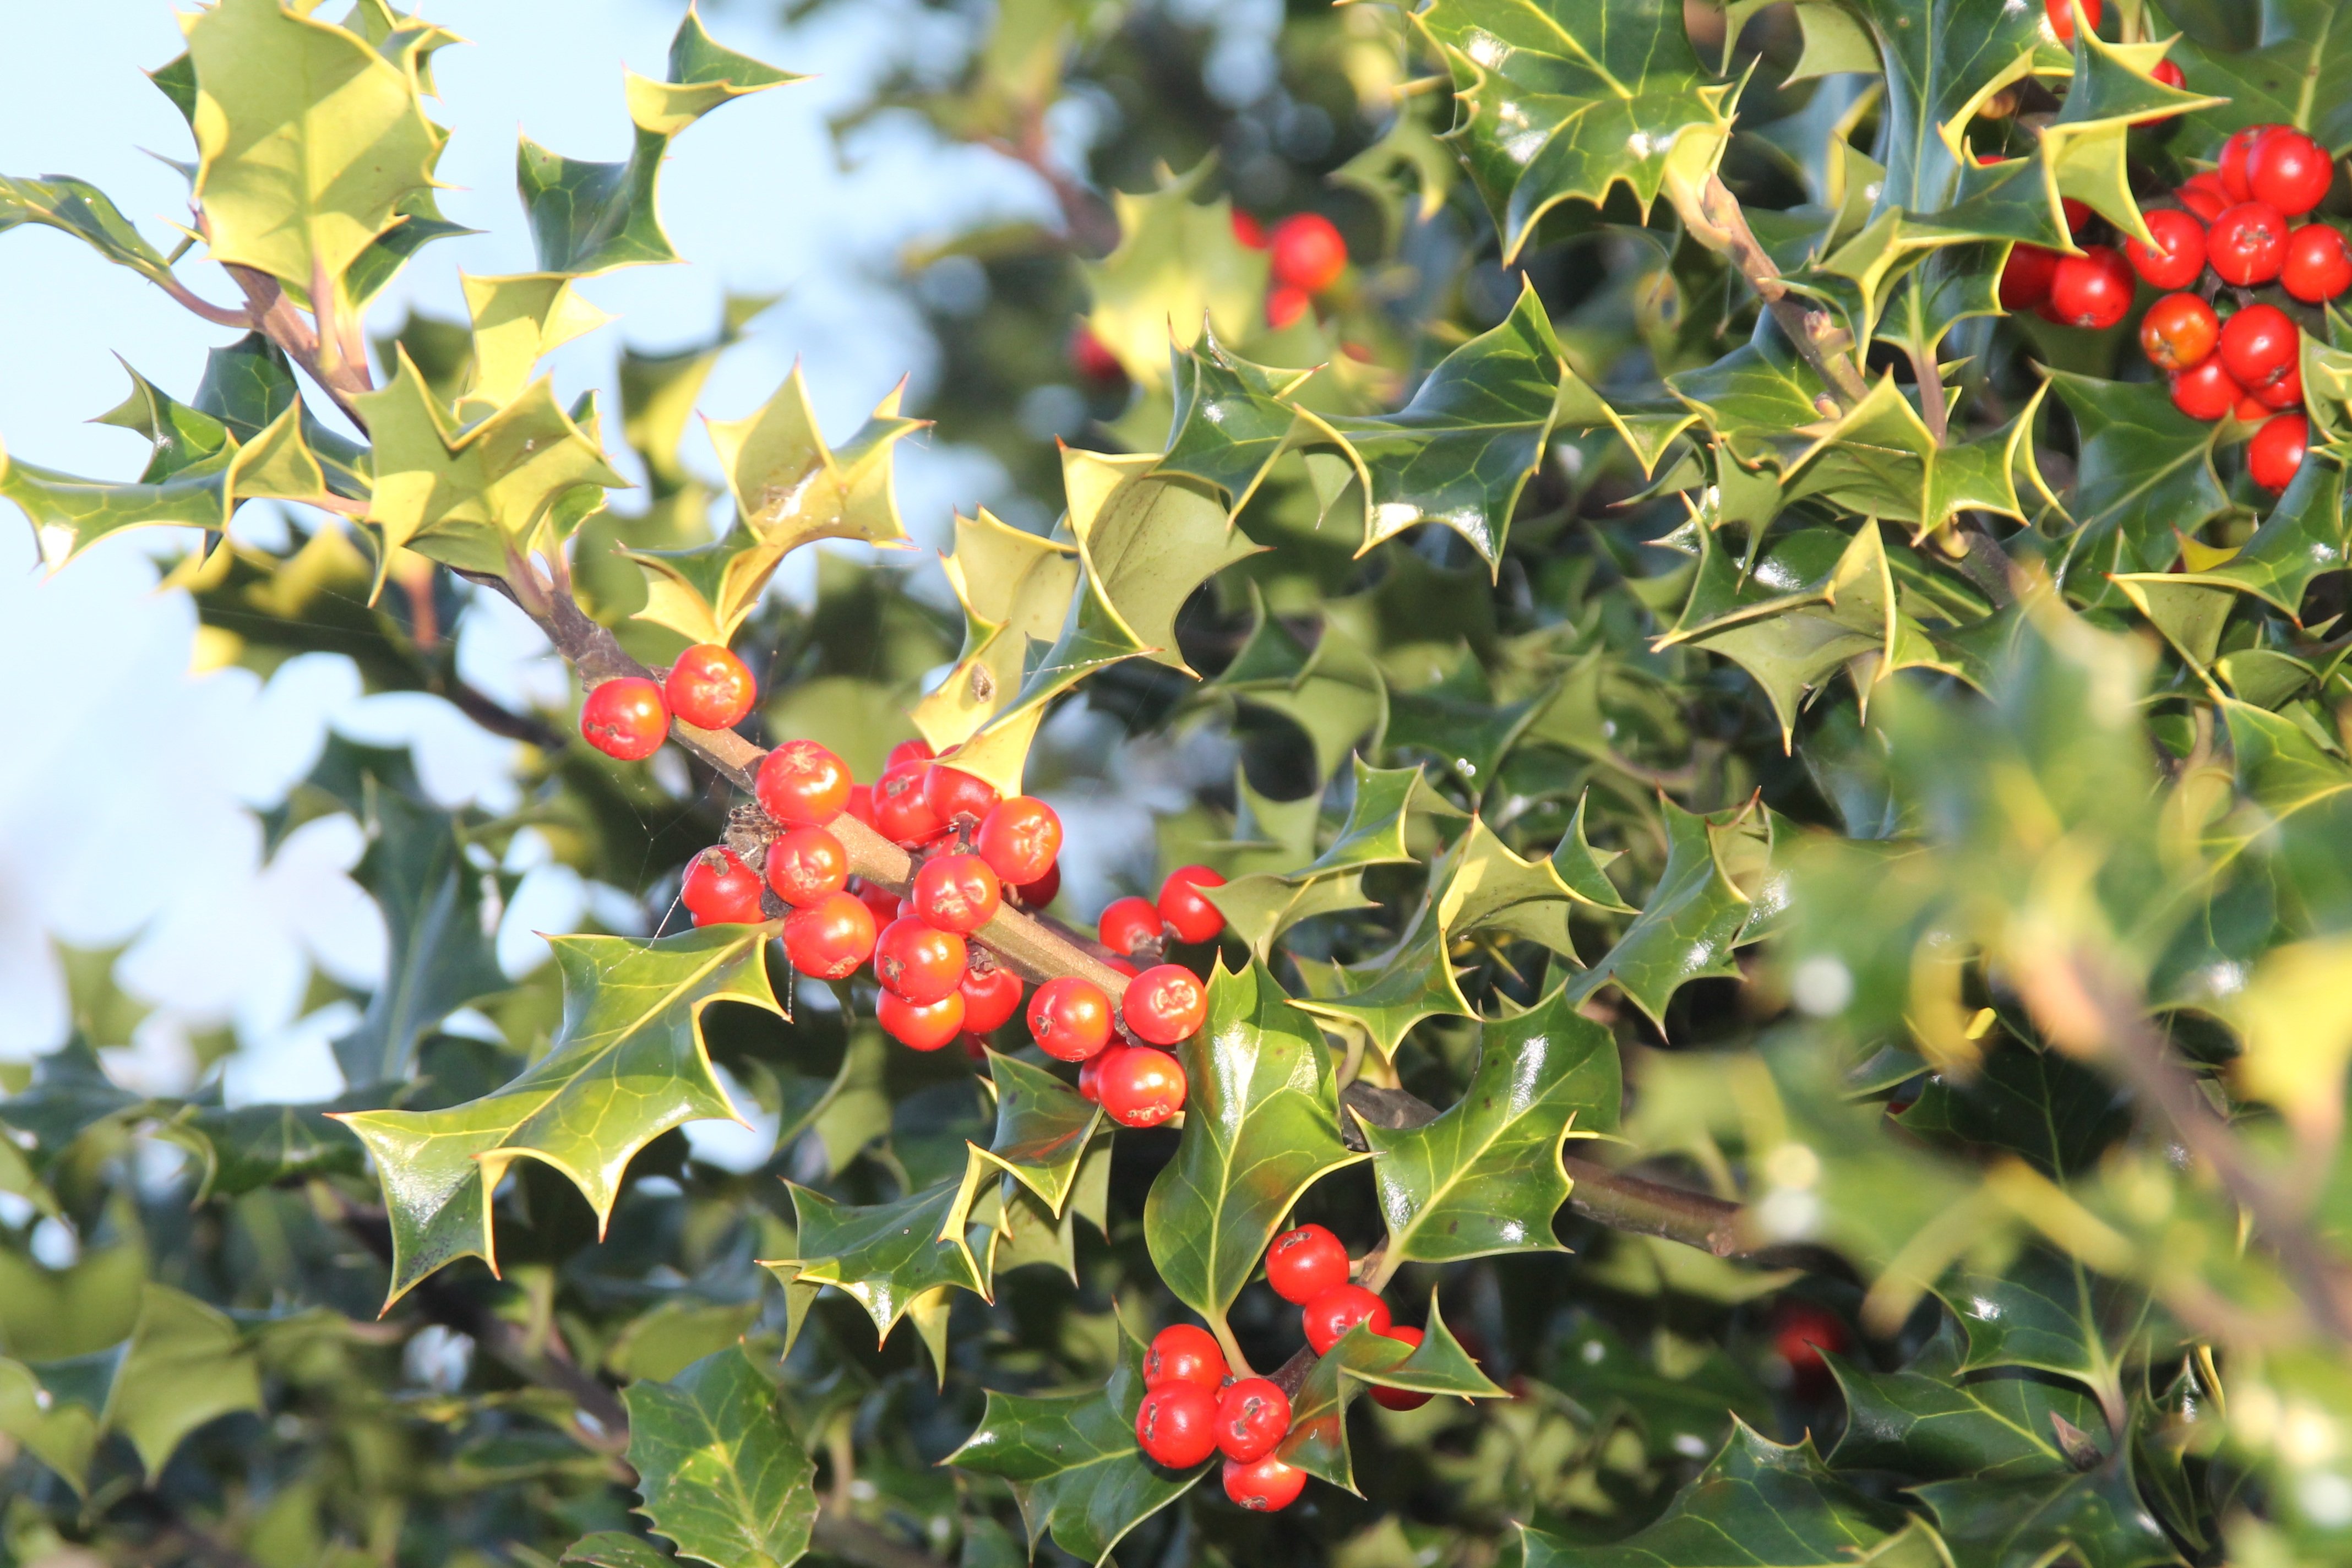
(1932, 408)
(1717, 221)
(1984, 563)
(270, 311)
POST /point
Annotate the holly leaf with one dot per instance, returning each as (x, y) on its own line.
(1415, 980)
(2097, 1517)
(89, 213)
(1261, 1125)
(518, 321)
(2143, 478)
(722, 1473)
(1043, 1127)
(1260, 906)
(1879, 460)
(1232, 419)
(1317, 1440)
(2047, 1312)
(1014, 587)
(2298, 73)
(309, 140)
(588, 217)
(1461, 450)
(885, 1255)
(1932, 1422)
(1696, 916)
(1757, 1505)
(1334, 693)
(1178, 264)
(186, 1364)
(1555, 100)
(441, 954)
(257, 1146)
(615, 1549)
(2303, 537)
(1485, 1176)
(627, 1064)
(1071, 1462)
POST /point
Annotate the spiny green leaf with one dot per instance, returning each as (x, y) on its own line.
(1387, 997)
(82, 210)
(1177, 264)
(1696, 916)
(722, 1472)
(1232, 419)
(626, 1065)
(885, 1255)
(1930, 1421)
(1317, 1439)
(1014, 588)
(2303, 537)
(1043, 1127)
(1485, 1177)
(2298, 73)
(1261, 1125)
(2095, 1517)
(2048, 1313)
(2143, 478)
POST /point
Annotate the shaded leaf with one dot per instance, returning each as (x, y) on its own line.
(721, 1471)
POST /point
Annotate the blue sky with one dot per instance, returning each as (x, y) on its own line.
(125, 806)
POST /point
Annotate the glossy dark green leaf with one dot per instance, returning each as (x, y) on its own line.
(883, 1255)
(2302, 538)
(613, 1549)
(1232, 419)
(1693, 919)
(2048, 1313)
(2097, 1517)
(1317, 1440)
(2049, 1110)
(722, 1473)
(1933, 1422)
(82, 210)
(2298, 72)
(2146, 469)
(1043, 1126)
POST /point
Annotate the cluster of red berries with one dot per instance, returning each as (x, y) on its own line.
(1194, 1407)
(1306, 254)
(974, 852)
(2232, 226)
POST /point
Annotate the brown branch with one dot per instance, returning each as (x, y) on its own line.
(1933, 409)
(1983, 562)
(1715, 219)
(272, 313)
(1087, 218)
(218, 315)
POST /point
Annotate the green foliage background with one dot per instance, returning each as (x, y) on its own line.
(1724, 829)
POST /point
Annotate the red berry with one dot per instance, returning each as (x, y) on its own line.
(914, 750)
(1020, 839)
(1302, 1264)
(1177, 1424)
(918, 960)
(2258, 344)
(1801, 1331)
(2062, 17)
(2285, 393)
(2318, 266)
(2076, 213)
(1036, 895)
(2271, 458)
(1253, 1416)
(957, 892)
(1284, 305)
(2234, 153)
(2177, 331)
(1248, 230)
(1183, 908)
(2093, 289)
(1129, 923)
(2205, 195)
(1070, 1017)
(1307, 252)
(709, 689)
(2289, 171)
(1329, 1316)
(991, 998)
(1138, 1087)
(901, 814)
(1091, 358)
(1090, 1078)
(830, 937)
(882, 902)
(1401, 1398)
(801, 781)
(2025, 277)
(2168, 74)
(2204, 390)
(624, 717)
(954, 794)
(860, 804)
(805, 865)
(2251, 410)
(926, 1026)
(2247, 244)
(1165, 1003)
(720, 889)
(2178, 258)
(1183, 1352)
(1264, 1485)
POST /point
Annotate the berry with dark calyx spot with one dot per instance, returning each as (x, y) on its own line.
(2178, 330)
(832, 938)
(1036, 895)
(1329, 1316)
(1070, 1018)
(1302, 1264)
(2178, 258)
(1264, 1485)
(991, 996)
(2275, 452)
(1128, 924)
(1020, 839)
(925, 1026)
(957, 892)
(720, 889)
(1184, 1353)
(624, 717)
(2290, 170)
(1165, 1003)
(1184, 910)
(2232, 173)
(802, 782)
(2318, 265)
(1092, 358)
(957, 797)
(901, 814)
(1139, 1087)
(2285, 393)
(2247, 244)
(918, 960)
(1401, 1398)
(2025, 277)
(709, 689)
(917, 750)
(2205, 391)
(2258, 344)
(805, 865)
(1253, 1416)
(1307, 252)
(1176, 1426)
(2205, 195)
(1284, 305)
(2093, 289)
